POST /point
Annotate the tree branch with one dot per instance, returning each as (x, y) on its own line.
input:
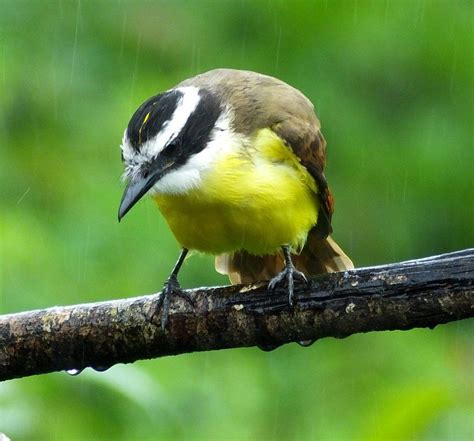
(419, 293)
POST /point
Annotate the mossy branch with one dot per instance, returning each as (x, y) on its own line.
(418, 293)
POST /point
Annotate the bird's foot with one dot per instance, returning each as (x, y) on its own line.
(170, 288)
(288, 275)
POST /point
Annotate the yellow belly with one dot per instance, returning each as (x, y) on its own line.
(257, 198)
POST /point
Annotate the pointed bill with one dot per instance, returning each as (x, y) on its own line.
(138, 187)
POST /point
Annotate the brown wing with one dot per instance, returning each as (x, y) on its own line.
(307, 142)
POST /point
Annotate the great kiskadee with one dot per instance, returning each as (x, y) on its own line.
(235, 162)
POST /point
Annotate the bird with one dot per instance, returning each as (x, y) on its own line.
(235, 161)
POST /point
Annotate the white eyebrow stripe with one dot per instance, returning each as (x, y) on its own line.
(184, 108)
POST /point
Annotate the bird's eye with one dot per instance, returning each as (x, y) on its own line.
(172, 147)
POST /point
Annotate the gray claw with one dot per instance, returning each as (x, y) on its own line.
(288, 274)
(163, 302)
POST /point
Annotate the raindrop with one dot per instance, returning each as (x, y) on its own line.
(305, 343)
(267, 347)
(74, 372)
(101, 368)
(78, 13)
(278, 50)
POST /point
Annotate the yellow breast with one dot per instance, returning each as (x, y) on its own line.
(257, 198)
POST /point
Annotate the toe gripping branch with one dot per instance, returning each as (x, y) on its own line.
(171, 287)
(288, 274)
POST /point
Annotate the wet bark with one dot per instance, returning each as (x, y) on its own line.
(420, 293)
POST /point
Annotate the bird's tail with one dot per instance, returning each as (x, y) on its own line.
(318, 256)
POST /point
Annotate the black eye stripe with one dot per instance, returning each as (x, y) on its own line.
(196, 133)
(151, 116)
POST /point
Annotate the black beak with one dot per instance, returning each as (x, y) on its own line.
(138, 187)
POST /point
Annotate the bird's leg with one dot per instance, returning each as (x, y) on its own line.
(172, 287)
(288, 274)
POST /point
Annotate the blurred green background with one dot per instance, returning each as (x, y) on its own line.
(392, 82)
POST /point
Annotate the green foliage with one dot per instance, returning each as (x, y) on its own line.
(392, 82)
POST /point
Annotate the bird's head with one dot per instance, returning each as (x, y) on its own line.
(161, 140)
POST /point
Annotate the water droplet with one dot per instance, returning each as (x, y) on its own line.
(305, 343)
(101, 368)
(74, 372)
